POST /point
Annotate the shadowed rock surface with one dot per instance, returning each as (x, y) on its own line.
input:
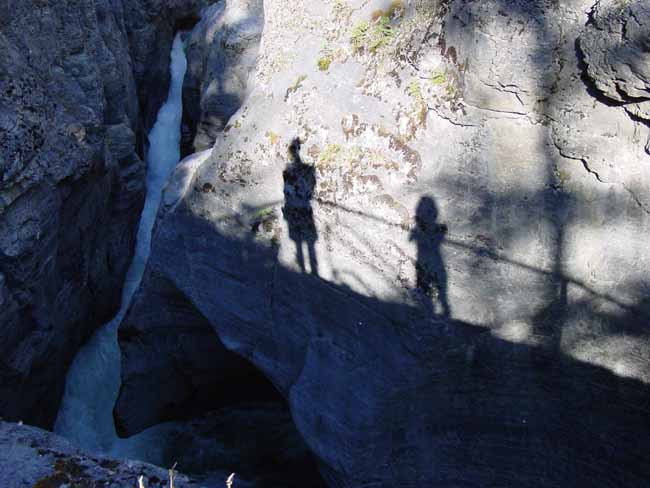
(177, 366)
(80, 82)
(34, 458)
(500, 340)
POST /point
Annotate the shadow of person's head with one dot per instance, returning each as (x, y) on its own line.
(426, 214)
(294, 151)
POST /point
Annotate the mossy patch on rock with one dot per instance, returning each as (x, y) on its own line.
(370, 36)
(324, 62)
(295, 87)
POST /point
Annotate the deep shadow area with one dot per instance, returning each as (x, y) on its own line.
(225, 414)
(186, 23)
(258, 442)
(176, 363)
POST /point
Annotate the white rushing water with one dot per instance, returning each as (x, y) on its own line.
(93, 381)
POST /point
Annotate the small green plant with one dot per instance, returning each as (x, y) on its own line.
(439, 78)
(295, 87)
(371, 36)
(419, 105)
(324, 62)
(263, 213)
(382, 33)
(359, 34)
(414, 89)
(329, 154)
(452, 90)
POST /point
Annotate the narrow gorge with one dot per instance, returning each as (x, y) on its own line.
(346, 243)
(93, 381)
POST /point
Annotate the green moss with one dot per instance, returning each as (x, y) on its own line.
(324, 62)
(414, 89)
(382, 33)
(452, 90)
(263, 213)
(371, 37)
(295, 87)
(329, 154)
(359, 35)
(439, 78)
(379, 32)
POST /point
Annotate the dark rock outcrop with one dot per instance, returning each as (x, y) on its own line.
(472, 309)
(80, 82)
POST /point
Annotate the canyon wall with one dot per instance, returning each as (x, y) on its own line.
(80, 84)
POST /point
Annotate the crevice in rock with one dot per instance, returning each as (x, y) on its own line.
(636, 199)
(186, 23)
(584, 162)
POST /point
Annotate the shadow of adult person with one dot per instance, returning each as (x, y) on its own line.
(431, 275)
(299, 183)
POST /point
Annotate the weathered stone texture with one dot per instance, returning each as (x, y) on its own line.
(79, 82)
(33, 458)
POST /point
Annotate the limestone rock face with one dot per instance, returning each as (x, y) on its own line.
(77, 94)
(427, 226)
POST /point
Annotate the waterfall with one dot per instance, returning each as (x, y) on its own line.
(93, 381)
